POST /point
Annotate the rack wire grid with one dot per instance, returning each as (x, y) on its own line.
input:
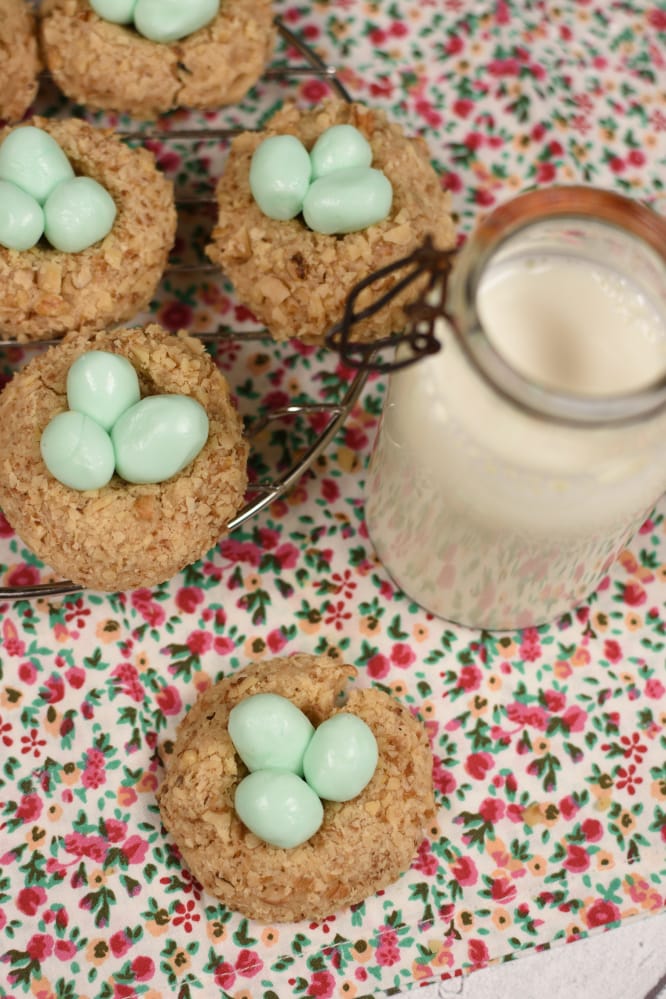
(344, 389)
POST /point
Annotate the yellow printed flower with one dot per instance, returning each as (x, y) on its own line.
(107, 631)
(501, 919)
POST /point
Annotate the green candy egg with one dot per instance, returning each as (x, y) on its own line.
(269, 732)
(338, 148)
(78, 213)
(158, 437)
(278, 807)
(341, 757)
(102, 385)
(169, 20)
(77, 451)
(32, 160)
(347, 200)
(280, 175)
(116, 11)
(21, 218)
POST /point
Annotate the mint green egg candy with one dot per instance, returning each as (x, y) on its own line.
(341, 757)
(347, 200)
(278, 807)
(170, 20)
(77, 451)
(102, 385)
(338, 148)
(77, 214)
(21, 218)
(270, 732)
(158, 437)
(34, 161)
(116, 11)
(280, 174)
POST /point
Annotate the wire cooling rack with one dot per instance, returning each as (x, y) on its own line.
(261, 493)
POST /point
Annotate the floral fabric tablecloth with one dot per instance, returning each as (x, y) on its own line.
(550, 752)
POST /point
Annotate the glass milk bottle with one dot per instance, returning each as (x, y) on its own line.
(511, 468)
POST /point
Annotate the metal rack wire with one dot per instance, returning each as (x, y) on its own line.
(262, 494)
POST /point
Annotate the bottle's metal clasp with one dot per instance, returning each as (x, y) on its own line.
(421, 314)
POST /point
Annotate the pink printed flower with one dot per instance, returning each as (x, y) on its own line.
(577, 859)
(443, 779)
(527, 714)
(469, 678)
(378, 666)
(612, 650)
(248, 963)
(225, 976)
(425, 861)
(287, 556)
(601, 913)
(115, 830)
(654, 688)
(135, 849)
(464, 871)
(40, 946)
(276, 640)
(592, 830)
(119, 943)
(188, 599)
(491, 810)
(240, 551)
(387, 951)
(575, 718)
(322, 985)
(64, 950)
(30, 808)
(503, 890)
(169, 701)
(402, 655)
(199, 642)
(223, 646)
(143, 968)
(555, 700)
(477, 765)
(568, 807)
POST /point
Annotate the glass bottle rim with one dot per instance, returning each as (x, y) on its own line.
(577, 203)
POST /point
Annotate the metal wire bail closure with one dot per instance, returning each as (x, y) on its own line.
(418, 337)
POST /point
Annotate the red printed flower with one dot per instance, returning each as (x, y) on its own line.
(627, 777)
(503, 890)
(30, 899)
(248, 963)
(464, 871)
(469, 678)
(188, 598)
(199, 642)
(225, 976)
(575, 718)
(402, 655)
(601, 913)
(321, 985)
(143, 968)
(40, 946)
(634, 594)
(592, 830)
(477, 765)
(378, 666)
(477, 952)
(577, 859)
(169, 701)
(491, 810)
